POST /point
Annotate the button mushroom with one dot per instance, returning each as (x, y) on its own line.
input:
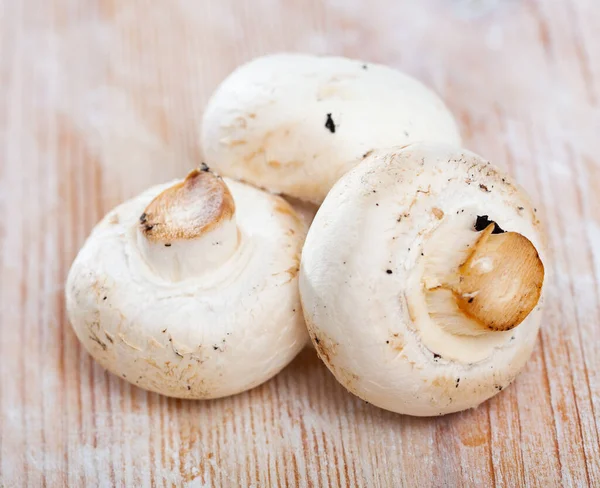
(422, 279)
(294, 123)
(305, 210)
(190, 289)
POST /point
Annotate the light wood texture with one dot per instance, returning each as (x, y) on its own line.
(101, 98)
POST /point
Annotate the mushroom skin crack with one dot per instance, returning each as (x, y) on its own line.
(411, 307)
(191, 288)
(294, 123)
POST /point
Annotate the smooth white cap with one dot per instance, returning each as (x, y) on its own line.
(294, 123)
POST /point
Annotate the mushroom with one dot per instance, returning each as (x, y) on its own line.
(422, 279)
(305, 210)
(191, 289)
(294, 123)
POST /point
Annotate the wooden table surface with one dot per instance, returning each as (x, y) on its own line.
(101, 98)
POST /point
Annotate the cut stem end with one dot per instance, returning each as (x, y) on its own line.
(189, 227)
(493, 289)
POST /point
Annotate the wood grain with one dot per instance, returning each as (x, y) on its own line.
(100, 99)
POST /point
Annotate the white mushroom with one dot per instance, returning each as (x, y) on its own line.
(305, 210)
(413, 297)
(190, 289)
(294, 123)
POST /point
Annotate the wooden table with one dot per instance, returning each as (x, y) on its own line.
(101, 98)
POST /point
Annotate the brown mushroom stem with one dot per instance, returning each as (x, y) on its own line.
(190, 227)
(493, 289)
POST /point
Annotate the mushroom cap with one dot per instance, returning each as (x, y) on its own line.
(305, 210)
(294, 123)
(393, 232)
(213, 334)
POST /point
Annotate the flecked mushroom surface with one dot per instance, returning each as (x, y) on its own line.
(228, 326)
(294, 123)
(388, 238)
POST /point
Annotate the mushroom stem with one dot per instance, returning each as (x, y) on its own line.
(190, 227)
(493, 289)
